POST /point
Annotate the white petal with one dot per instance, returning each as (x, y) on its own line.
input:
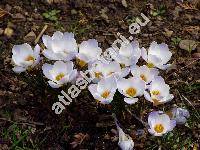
(93, 89)
(144, 53)
(164, 67)
(91, 49)
(161, 51)
(73, 75)
(151, 131)
(71, 44)
(54, 85)
(123, 84)
(57, 35)
(83, 57)
(46, 40)
(153, 117)
(147, 96)
(18, 69)
(46, 68)
(172, 125)
(125, 141)
(51, 55)
(62, 67)
(124, 72)
(20, 52)
(107, 84)
(135, 71)
(154, 59)
(131, 100)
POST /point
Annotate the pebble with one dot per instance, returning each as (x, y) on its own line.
(30, 37)
(1, 31)
(8, 32)
(188, 45)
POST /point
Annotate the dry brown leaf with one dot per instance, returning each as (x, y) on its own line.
(2, 12)
(188, 6)
(124, 3)
(78, 139)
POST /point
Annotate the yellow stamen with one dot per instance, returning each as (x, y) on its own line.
(98, 75)
(159, 128)
(110, 73)
(143, 77)
(156, 102)
(150, 65)
(105, 94)
(155, 92)
(123, 65)
(131, 91)
(59, 76)
(81, 63)
(30, 58)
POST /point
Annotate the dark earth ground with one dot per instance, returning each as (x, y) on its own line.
(26, 118)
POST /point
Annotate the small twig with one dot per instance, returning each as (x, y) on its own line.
(41, 33)
(182, 68)
(140, 120)
(2, 106)
(184, 98)
(24, 123)
(3, 12)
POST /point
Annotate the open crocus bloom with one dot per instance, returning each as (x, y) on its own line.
(145, 73)
(125, 141)
(103, 69)
(59, 73)
(104, 90)
(89, 51)
(25, 57)
(160, 123)
(60, 46)
(131, 88)
(157, 56)
(180, 115)
(159, 92)
(128, 54)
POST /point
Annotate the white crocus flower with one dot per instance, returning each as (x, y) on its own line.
(125, 141)
(104, 90)
(160, 123)
(128, 54)
(159, 91)
(59, 73)
(180, 115)
(103, 69)
(131, 88)
(157, 56)
(89, 51)
(145, 73)
(24, 57)
(60, 46)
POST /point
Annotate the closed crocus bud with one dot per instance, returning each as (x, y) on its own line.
(59, 73)
(180, 115)
(89, 51)
(159, 92)
(24, 57)
(160, 123)
(125, 141)
(128, 54)
(61, 46)
(131, 88)
(104, 90)
(157, 55)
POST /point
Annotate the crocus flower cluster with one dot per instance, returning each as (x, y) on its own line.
(122, 73)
